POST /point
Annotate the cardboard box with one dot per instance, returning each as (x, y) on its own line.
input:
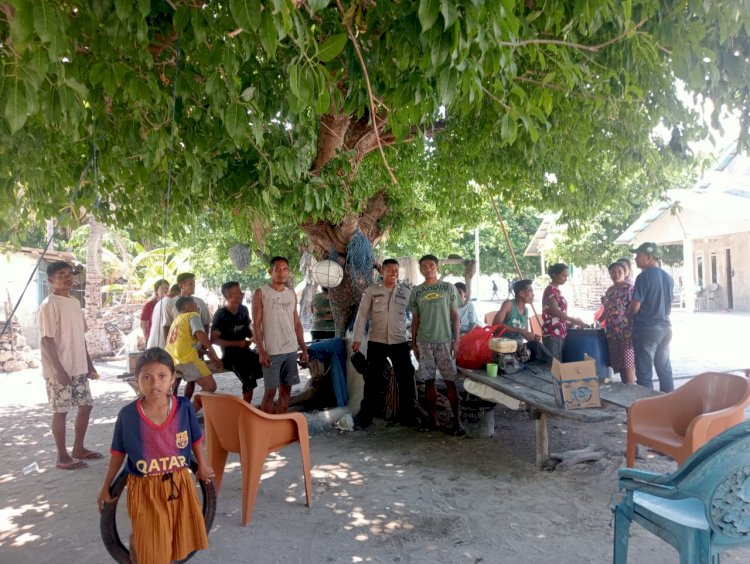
(575, 383)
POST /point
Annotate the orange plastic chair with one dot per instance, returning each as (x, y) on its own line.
(680, 422)
(536, 324)
(233, 425)
(490, 316)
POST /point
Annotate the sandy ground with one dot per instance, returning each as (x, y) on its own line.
(387, 495)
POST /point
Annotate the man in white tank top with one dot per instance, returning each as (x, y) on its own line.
(278, 332)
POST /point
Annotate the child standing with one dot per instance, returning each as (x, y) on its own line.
(157, 433)
(186, 334)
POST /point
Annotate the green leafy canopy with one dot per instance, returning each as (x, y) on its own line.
(230, 98)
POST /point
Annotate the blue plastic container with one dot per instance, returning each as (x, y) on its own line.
(592, 342)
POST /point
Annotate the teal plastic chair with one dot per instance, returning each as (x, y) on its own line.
(702, 509)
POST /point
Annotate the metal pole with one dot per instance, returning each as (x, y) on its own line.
(688, 273)
(476, 258)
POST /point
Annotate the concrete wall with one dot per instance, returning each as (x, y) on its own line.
(738, 246)
(740, 249)
(15, 269)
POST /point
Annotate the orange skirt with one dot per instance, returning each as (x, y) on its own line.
(166, 517)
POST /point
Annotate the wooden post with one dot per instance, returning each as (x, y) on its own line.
(542, 442)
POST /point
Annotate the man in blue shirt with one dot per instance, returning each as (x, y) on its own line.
(649, 312)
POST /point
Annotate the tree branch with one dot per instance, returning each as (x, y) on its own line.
(568, 91)
(361, 59)
(331, 135)
(496, 99)
(579, 46)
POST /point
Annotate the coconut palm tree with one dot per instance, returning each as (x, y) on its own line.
(96, 336)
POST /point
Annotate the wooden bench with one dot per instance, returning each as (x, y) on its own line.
(533, 386)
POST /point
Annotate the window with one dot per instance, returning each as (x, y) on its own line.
(714, 274)
(699, 269)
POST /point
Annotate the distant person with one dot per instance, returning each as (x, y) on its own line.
(495, 296)
(627, 265)
(514, 314)
(66, 365)
(649, 311)
(619, 327)
(186, 282)
(322, 316)
(278, 334)
(186, 333)
(435, 331)
(385, 306)
(157, 338)
(213, 301)
(230, 329)
(158, 434)
(467, 315)
(555, 318)
(160, 290)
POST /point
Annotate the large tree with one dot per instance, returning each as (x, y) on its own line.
(339, 116)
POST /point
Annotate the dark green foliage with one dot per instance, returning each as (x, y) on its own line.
(229, 96)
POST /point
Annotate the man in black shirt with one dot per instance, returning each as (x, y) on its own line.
(230, 330)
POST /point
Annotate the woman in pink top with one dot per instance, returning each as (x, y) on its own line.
(555, 318)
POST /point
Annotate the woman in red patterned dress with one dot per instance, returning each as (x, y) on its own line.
(555, 318)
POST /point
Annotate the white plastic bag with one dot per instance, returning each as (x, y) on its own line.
(345, 423)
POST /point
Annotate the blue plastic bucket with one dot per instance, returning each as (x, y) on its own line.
(592, 342)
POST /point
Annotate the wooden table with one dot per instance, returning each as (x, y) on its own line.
(534, 387)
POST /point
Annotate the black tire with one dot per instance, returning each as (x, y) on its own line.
(108, 521)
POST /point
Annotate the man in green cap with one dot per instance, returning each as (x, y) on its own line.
(649, 312)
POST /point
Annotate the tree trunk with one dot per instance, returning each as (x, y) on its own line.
(124, 255)
(49, 227)
(345, 300)
(324, 236)
(96, 337)
(356, 137)
(306, 265)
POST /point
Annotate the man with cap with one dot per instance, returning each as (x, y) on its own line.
(649, 312)
(66, 365)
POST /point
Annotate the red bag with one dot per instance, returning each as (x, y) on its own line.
(601, 317)
(473, 348)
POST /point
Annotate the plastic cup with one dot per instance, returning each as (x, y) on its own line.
(491, 369)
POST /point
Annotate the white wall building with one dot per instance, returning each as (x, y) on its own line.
(712, 223)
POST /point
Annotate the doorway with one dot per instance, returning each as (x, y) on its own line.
(730, 273)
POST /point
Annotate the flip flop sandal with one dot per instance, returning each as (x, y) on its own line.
(74, 465)
(90, 455)
(455, 431)
(426, 428)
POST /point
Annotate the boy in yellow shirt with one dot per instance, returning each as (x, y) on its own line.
(186, 335)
